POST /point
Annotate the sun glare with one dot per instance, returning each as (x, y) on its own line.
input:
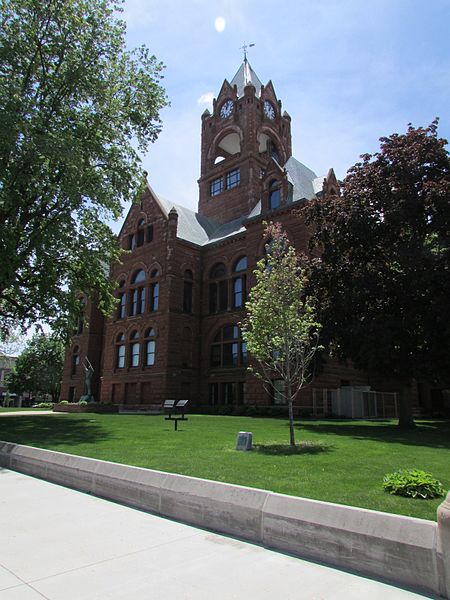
(220, 24)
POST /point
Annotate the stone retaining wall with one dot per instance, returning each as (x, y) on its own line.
(410, 552)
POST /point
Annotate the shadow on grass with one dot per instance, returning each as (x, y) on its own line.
(50, 431)
(287, 450)
(432, 433)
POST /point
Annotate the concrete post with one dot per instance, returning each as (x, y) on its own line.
(443, 545)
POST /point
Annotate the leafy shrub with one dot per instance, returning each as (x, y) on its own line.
(64, 402)
(45, 405)
(82, 402)
(413, 484)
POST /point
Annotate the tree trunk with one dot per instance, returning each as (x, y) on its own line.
(405, 415)
(291, 417)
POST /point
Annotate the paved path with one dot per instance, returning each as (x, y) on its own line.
(27, 413)
(60, 544)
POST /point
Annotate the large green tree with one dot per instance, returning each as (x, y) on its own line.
(280, 327)
(383, 278)
(38, 368)
(76, 108)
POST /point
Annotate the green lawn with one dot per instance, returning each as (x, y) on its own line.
(347, 468)
(14, 409)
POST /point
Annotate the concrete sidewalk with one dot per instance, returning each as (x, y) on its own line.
(60, 544)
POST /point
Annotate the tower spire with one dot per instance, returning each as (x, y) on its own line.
(244, 48)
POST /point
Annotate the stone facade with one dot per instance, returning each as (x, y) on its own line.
(183, 282)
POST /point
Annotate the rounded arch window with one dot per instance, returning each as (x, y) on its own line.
(134, 349)
(137, 294)
(228, 350)
(240, 283)
(218, 289)
(122, 296)
(75, 359)
(120, 350)
(138, 277)
(154, 291)
(274, 194)
(150, 347)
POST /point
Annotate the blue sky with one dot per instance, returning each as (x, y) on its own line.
(347, 71)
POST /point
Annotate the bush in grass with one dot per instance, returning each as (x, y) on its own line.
(413, 484)
(45, 405)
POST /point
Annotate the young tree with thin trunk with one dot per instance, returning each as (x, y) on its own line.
(280, 329)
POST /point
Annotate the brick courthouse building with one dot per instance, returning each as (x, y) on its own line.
(183, 284)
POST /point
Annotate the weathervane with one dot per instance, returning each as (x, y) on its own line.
(244, 48)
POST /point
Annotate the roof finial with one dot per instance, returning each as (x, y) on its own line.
(244, 48)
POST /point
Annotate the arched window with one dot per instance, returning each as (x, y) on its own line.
(228, 350)
(240, 283)
(154, 291)
(140, 234)
(75, 359)
(134, 349)
(80, 320)
(150, 347)
(120, 351)
(137, 294)
(121, 307)
(218, 289)
(274, 194)
(188, 284)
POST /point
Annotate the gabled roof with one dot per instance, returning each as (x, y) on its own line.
(201, 230)
(244, 76)
(302, 180)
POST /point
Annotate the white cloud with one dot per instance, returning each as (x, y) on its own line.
(206, 98)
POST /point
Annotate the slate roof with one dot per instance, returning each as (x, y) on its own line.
(245, 75)
(201, 230)
(302, 180)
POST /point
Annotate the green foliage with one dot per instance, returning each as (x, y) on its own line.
(280, 328)
(382, 278)
(74, 104)
(64, 402)
(413, 483)
(39, 368)
(82, 403)
(45, 405)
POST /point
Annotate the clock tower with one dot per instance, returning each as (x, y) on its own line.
(245, 137)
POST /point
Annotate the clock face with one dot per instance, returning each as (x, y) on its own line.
(269, 110)
(226, 109)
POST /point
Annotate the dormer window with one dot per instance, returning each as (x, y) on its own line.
(274, 194)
